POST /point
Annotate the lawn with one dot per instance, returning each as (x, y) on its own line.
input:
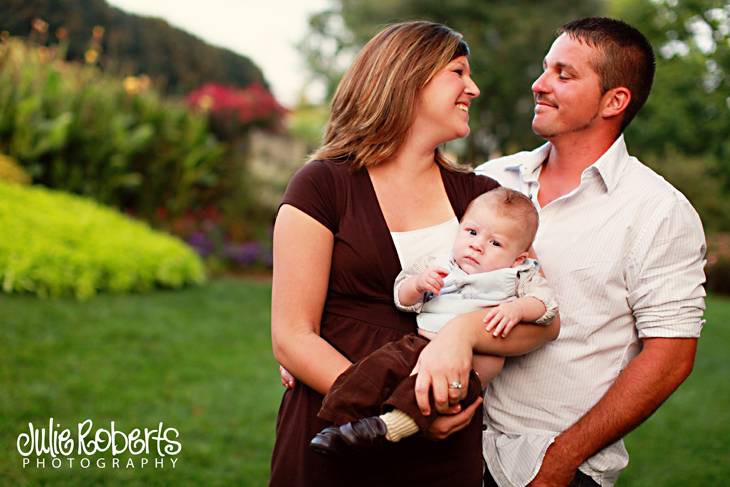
(199, 360)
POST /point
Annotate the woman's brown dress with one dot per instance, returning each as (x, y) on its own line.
(359, 316)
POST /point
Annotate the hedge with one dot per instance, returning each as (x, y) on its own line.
(55, 243)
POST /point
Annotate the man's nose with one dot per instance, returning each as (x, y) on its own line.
(540, 84)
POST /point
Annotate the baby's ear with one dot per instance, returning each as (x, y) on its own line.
(520, 259)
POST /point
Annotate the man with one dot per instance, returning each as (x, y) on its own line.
(624, 252)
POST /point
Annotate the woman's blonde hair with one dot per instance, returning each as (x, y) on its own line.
(372, 109)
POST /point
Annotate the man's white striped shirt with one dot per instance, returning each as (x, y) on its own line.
(624, 253)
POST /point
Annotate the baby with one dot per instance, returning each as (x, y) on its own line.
(488, 267)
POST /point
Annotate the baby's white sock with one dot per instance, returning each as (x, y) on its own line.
(399, 425)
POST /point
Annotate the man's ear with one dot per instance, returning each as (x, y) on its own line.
(520, 259)
(615, 101)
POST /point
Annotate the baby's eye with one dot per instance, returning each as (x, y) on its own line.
(471, 232)
(495, 243)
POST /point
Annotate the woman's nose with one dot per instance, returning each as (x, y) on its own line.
(471, 88)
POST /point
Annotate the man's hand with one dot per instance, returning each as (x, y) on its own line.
(557, 470)
(500, 319)
(661, 366)
(444, 426)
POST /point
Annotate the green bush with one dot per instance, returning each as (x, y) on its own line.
(54, 243)
(118, 141)
(718, 263)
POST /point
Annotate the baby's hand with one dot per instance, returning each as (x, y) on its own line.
(431, 280)
(502, 318)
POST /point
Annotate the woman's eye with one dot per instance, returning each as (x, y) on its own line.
(460, 72)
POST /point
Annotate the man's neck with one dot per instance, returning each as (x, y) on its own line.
(569, 156)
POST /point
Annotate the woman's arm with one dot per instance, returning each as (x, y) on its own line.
(448, 357)
(302, 260)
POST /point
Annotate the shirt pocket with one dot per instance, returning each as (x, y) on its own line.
(592, 294)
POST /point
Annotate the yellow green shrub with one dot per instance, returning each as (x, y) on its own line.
(54, 243)
(10, 171)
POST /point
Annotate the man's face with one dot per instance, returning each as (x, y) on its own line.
(568, 92)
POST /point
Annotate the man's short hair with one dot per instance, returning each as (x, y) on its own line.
(627, 57)
(512, 205)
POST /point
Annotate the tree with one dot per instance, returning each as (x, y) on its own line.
(127, 44)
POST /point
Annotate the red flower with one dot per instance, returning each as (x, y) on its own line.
(251, 104)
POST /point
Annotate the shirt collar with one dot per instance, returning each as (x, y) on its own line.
(529, 166)
(612, 163)
(609, 166)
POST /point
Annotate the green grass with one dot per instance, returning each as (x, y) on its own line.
(687, 441)
(200, 361)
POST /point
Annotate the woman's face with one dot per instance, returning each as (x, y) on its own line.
(442, 113)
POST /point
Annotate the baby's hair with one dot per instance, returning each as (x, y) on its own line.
(512, 205)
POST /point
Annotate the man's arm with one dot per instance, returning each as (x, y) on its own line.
(649, 379)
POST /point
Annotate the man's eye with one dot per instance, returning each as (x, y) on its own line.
(563, 76)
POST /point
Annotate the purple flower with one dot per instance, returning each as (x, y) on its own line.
(243, 254)
(200, 242)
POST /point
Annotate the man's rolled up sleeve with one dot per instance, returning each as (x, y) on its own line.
(665, 273)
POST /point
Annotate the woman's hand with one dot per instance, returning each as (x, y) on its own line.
(444, 426)
(445, 361)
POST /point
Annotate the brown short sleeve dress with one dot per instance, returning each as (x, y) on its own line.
(359, 317)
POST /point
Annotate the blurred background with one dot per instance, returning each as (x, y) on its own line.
(144, 147)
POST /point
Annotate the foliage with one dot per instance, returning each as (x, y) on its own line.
(131, 45)
(56, 243)
(74, 128)
(11, 172)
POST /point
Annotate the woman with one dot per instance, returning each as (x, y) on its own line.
(378, 195)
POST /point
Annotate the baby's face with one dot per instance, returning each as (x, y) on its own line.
(488, 242)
